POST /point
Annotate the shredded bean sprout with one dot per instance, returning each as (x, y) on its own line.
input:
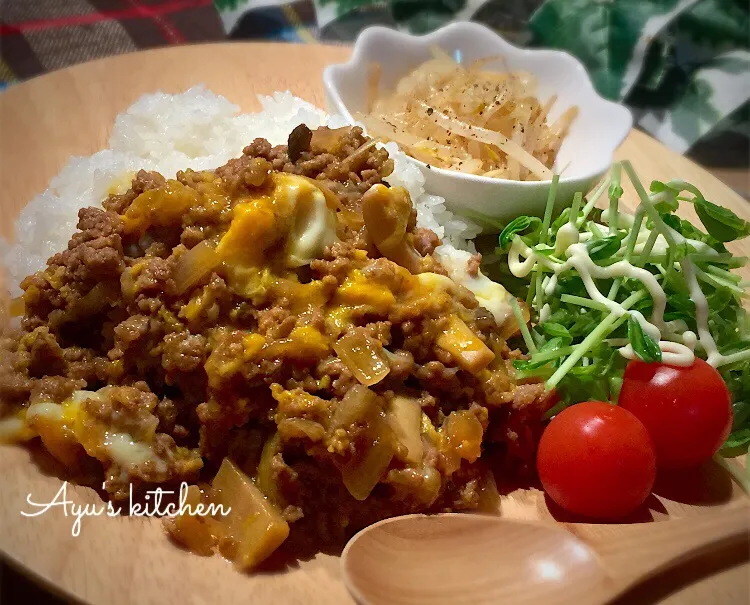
(469, 119)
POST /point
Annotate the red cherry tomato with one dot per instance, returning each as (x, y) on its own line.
(686, 410)
(596, 460)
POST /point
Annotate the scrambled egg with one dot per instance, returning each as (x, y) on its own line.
(294, 215)
(490, 295)
(66, 430)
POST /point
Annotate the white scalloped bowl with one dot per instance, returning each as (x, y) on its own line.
(585, 155)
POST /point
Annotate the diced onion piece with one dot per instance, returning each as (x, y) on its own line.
(194, 265)
(467, 349)
(392, 209)
(463, 439)
(363, 356)
(358, 403)
(423, 482)
(265, 478)
(368, 467)
(429, 431)
(386, 212)
(489, 496)
(405, 418)
(328, 140)
(359, 153)
(197, 533)
(17, 307)
(254, 528)
(300, 428)
(94, 301)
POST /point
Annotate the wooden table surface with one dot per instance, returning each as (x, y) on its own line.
(128, 560)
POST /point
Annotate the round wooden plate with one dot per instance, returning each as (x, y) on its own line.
(129, 560)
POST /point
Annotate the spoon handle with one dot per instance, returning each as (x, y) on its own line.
(646, 550)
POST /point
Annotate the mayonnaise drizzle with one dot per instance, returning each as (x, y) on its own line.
(675, 341)
(672, 353)
(567, 235)
(588, 270)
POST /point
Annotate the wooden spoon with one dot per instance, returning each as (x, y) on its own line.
(462, 558)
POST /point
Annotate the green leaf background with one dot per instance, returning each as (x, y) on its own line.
(674, 96)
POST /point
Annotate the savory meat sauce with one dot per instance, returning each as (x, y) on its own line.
(277, 334)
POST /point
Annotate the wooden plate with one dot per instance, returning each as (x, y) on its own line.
(129, 560)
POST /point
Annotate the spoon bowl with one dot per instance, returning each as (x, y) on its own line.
(460, 558)
(547, 557)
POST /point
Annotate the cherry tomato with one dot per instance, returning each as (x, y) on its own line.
(596, 460)
(686, 410)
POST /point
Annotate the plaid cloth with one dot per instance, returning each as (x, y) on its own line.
(339, 21)
(37, 36)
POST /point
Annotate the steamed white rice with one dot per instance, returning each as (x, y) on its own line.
(196, 129)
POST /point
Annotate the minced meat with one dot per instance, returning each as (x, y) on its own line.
(195, 361)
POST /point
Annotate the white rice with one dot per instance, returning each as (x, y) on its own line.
(196, 129)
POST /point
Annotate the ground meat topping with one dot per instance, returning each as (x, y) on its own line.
(425, 241)
(177, 331)
(473, 265)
